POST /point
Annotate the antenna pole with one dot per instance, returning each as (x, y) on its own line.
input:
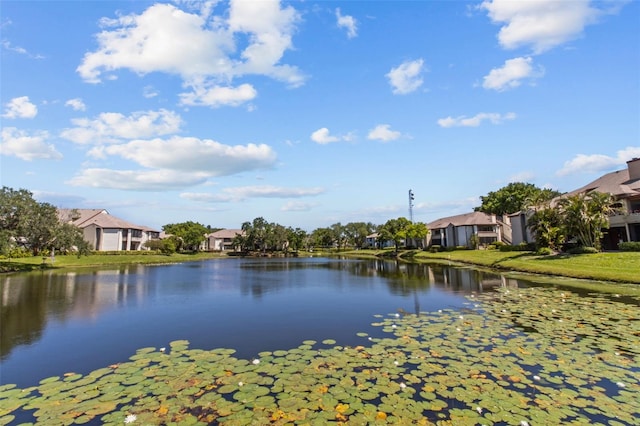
(411, 198)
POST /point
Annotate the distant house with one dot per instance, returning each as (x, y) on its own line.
(371, 241)
(222, 240)
(106, 232)
(454, 231)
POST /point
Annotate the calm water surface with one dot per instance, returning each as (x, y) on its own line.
(52, 323)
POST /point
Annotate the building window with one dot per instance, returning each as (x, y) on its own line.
(136, 233)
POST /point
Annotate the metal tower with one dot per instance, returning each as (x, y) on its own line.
(411, 198)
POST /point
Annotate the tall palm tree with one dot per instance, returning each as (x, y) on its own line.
(546, 225)
(586, 215)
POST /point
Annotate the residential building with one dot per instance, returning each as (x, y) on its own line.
(455, 231)
(624, 225)
(105, 232)
(222, 240)
(624, 185)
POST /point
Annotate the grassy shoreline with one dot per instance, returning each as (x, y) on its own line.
(621, 267)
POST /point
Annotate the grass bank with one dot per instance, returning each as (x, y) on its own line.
(96, 260)
(614, 266)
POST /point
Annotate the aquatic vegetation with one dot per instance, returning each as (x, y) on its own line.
(514, 357)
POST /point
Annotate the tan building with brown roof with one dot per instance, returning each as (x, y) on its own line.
(222, 240)
(624, 185)
(106, 232)
(455, 231)
(624, 225)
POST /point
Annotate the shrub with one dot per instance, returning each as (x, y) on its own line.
(544, 251)
(17, 252)
(582, 250)
(520, 247)
(435, 248)
(496, 244)
(629, 246)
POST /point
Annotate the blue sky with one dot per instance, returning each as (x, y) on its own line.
(309, 113)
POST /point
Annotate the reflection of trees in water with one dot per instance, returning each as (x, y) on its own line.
(402, 278)
(29, 301)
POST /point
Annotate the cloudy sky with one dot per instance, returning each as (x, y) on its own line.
(309, 113)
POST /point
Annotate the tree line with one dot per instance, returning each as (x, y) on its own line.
(29, 226)
(26, 224)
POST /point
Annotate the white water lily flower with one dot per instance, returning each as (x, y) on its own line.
(536, 377)
(255, 361)
(479, 410)
(163, 349)
(620, 384)
(397, 315)
(240, 384)
(402, 386)
(524, 423)
(396, 362)
(394, 326)
(130, 418)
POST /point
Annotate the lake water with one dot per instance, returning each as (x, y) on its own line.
(53, 323)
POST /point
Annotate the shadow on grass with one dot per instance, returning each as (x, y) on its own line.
(8, 266)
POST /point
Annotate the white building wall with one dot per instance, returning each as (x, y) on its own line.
(111, 240)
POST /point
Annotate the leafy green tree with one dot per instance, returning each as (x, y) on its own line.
(192, 234)
(70, 238)
(546, 224)
(417, 231)
(514, 197)
(356, 233)
(396, 230)
(322, 237)
(256, 234)
(296, 238)
(21, 216)
(339, 235)
(586, 215)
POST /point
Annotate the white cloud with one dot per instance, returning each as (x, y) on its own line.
(20, 108)
(476, 120)
(76, 103)
(149, 92)
(205, 51)
(27, 146)
(21, 50)
(347, 22)
(383, 132)
(297, 206)
(406, 77)
(543, 24)
(243, 192)
(113, 127)
(137, 180)
(511, 74)
(582, 163)
(522, 177)
(188, 154)
(322, 136)
(218, 96)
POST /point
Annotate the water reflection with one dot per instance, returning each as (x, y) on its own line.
(246, 304)
(30, 301)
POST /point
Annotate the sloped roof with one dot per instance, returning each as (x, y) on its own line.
(97, 217)
(226, 233)
(616, 183)
(467, 219)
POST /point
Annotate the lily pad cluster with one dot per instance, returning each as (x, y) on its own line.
(535, 356)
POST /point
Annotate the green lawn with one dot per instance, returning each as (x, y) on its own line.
(613, 266)
(96, 260)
